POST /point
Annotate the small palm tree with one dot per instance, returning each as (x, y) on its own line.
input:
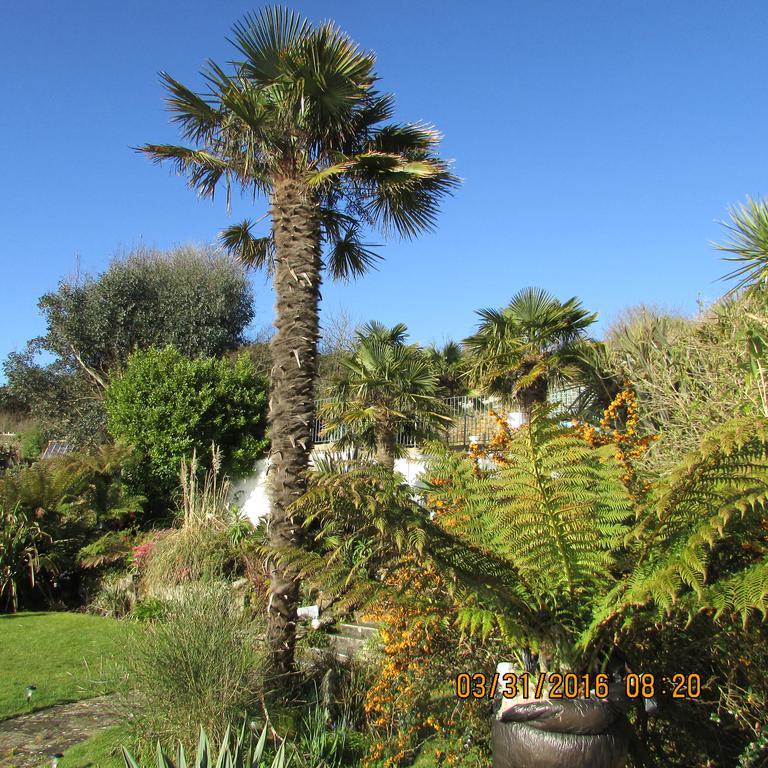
(528, 346)
(299, 121)
(386, 388)
(448, 362)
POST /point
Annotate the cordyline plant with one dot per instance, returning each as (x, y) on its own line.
(298, 120)
(20, 559)
(549, 551)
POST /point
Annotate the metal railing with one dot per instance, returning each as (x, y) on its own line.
(472, 418)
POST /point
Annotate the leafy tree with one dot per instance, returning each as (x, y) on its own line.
(61, 399)
(528, 346)
(298, 119)
(166, 406)
(188, 297)
(386, 388)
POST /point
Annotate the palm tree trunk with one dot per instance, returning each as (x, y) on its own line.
(530, 397)
(386, 447)
(296, 231)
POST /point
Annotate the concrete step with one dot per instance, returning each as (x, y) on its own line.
(357, 630)
(348, 640)
(346, 647)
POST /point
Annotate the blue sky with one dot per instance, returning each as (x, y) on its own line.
(599, 143)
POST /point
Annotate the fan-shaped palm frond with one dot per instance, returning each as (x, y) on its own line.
(387, 388)
(528, 345)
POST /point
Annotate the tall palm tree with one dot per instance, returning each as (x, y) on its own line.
(528, 346)
(298, 120)
(386, 388)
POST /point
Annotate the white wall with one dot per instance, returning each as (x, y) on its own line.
(250, 493)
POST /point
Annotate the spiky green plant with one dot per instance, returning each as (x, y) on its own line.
(20, 559)
(240, 752)
(748, 242)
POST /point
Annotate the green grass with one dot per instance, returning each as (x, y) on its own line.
(102, 750)
(67, 656)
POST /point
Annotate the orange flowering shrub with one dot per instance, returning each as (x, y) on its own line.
(413, 697)
(496, 448)
(619, 427)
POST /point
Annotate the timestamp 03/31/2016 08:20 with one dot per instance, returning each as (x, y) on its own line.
(572, 686)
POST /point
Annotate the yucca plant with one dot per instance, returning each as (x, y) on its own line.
(241, 752)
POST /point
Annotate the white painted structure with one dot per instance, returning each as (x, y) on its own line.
(250, 493)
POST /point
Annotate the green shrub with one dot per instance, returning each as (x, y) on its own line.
(111, 549)
(115, 598)
(151, 609)
(187, 555)
(168, 406)
(201, 666)
(31, 444)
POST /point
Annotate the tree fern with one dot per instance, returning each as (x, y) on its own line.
(549, 550)
(715, 496)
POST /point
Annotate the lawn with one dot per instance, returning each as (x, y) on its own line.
(66, 656)
(102, 750)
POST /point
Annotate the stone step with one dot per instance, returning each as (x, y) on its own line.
(346, 647)
(357, 630)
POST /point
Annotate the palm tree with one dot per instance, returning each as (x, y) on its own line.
(449, 364)
(386, 388)
(298, 120)
(533, 343)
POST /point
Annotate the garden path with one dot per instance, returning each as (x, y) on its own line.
(29, 740)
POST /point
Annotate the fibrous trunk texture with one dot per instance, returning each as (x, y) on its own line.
(530, 397)
(296, 231)
(386, 442)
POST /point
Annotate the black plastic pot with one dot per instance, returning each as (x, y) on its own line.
(562, 733)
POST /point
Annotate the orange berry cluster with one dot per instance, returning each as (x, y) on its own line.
(619, 427)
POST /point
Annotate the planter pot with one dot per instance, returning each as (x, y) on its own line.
(562, 733)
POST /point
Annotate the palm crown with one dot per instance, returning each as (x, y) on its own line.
(301, 104)
(385, 388)
(527, 346)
